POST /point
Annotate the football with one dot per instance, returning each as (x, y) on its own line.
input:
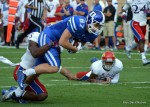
(75, 43)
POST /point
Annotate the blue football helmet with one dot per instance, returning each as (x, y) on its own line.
(93, 18)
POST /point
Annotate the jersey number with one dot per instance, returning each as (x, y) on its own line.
(137, 10)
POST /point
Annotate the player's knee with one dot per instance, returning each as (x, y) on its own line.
(50, 69)
(55, 69)
(42, 96)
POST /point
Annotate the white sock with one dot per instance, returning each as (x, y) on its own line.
(128, 48)
(29, 72)
(133, 45)
(143, 55)
(60, 69)
(145, 47)
(19, 91)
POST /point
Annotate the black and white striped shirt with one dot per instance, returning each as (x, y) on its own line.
(40, 4)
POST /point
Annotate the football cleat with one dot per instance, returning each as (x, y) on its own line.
(12, 88)
(128, 53)
(6, 94)
(21, 77)
(18, 99)
(145, 62)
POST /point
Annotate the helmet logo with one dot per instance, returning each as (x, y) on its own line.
(92, 14)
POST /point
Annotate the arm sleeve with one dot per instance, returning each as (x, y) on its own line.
(47, 5)
(115, 79)
(126, 6)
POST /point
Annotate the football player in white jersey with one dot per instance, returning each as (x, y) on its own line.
(34, 89)
(139, 9)
(106, 70)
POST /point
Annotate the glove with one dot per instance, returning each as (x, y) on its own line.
(93, 59)
(123, 16)
(79, 47)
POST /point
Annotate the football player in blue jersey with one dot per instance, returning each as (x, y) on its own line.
(78, 27)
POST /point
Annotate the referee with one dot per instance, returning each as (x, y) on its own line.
(37, 8)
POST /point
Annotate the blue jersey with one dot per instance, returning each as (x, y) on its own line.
(83, 8)
(68, 8)
(76, 26)
(97, 7)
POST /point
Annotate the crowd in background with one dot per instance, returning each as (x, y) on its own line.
(59, 10)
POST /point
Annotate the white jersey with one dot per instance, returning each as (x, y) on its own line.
(97, 69)
(73, 4)
(102, 4)
(138, 8)
(27, 60)
(21, 9)
(4, 11)
(53, 5)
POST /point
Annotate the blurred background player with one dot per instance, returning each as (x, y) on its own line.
(58, 11)
(147, 36)
(67, 9)
(106, 70)
(51, 18)
(81, 9)
(128, 35)
(97, 6)
(108, 31)
(138, 25)
(4, 15)
(37, 8)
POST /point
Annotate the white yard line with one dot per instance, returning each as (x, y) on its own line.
(142, 82)
(84, 51)
(86, 83)
(141, 87)
(83, 67)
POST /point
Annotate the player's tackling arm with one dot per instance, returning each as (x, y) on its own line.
(37, 51)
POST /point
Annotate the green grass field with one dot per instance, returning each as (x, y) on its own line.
(133, 89)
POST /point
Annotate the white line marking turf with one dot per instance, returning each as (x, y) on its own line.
(86, 83)
(84, 67)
